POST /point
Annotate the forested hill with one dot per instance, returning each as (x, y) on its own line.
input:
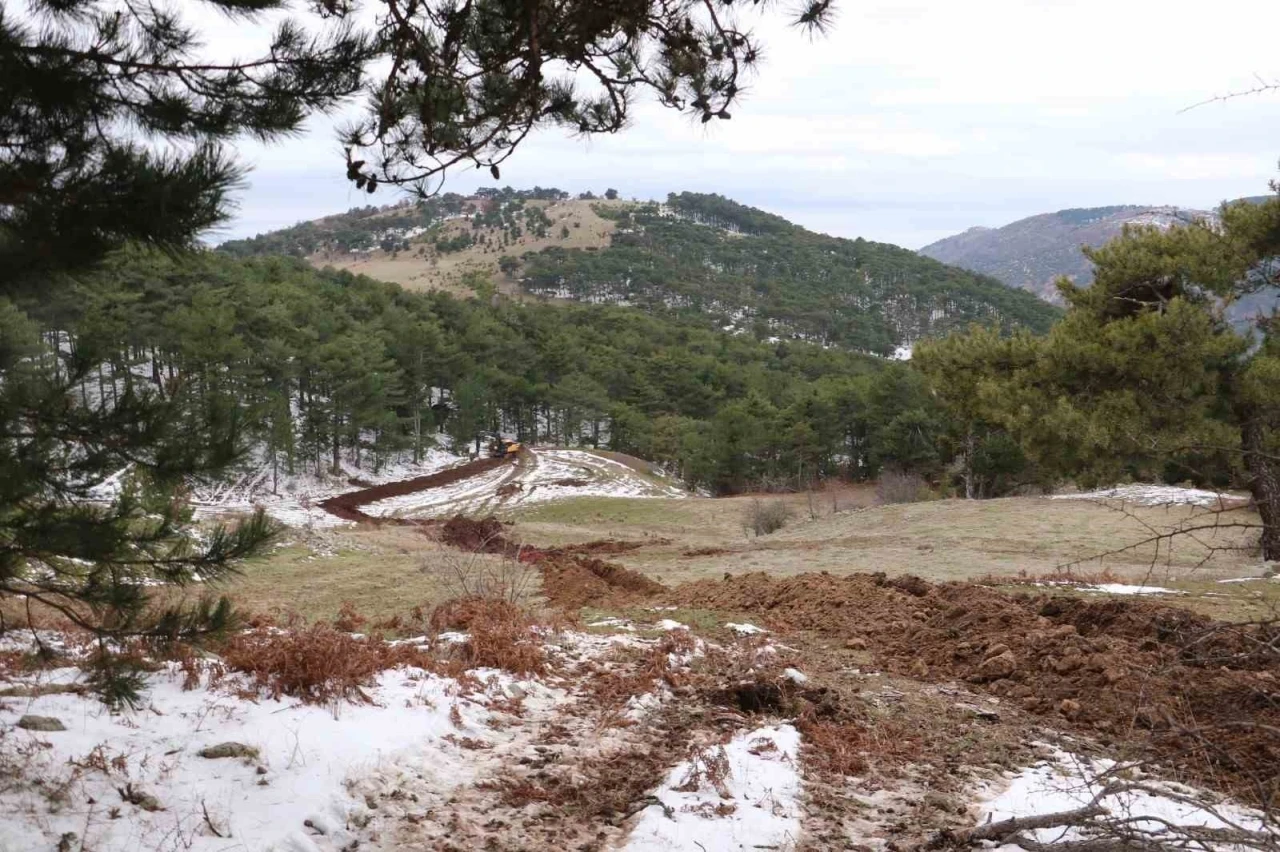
(318, 366)
(701, 256)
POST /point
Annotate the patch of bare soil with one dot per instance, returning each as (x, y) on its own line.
(706, 551)
(1201, 696)
(572, 581)
(475, 536)
(572, 482)
(572, 576)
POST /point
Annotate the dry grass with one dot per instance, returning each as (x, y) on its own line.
(429, 271)
(318, 664)
(381, 572)
(500, 635)
(939, 539)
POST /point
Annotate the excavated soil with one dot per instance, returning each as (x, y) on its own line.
(346, 506)
(1129, 672)
(572, 576)
(573, 581)
(1147, 679)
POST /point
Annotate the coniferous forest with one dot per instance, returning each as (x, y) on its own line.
(319, 365)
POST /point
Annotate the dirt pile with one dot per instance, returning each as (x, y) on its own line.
(573, 581)
(475, 536)
(572, 576)
(1130, 672)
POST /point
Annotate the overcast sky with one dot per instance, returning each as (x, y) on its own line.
(912, 121)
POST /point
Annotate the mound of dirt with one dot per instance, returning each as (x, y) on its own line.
(1131, 672)
(571, 576)
(482, 536)
(706, 551)
(573, 581)
(572, 483)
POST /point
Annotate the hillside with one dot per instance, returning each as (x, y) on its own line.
(704, 256)
(1030, 254)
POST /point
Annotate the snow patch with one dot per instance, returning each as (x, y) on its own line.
(1151, 495)
(1126, 589)
(755, 806)
(745, 629)
(306, 753)
(1066, 782)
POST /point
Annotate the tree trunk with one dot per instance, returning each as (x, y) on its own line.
(1264, 484)
(968, 465)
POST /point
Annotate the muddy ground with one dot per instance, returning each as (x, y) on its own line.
(1140, 678)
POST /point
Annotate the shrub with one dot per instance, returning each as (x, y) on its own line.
(898, 487)
(318, 664)
(765, 516)
(500, 634)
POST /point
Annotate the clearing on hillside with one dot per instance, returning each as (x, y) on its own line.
(423, 267)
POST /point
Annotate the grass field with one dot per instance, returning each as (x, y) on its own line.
(422, 268)
(389, 570)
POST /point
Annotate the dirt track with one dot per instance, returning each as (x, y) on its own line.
(486, 486)
(347, 505)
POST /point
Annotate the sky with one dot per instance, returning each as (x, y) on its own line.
(909, 122)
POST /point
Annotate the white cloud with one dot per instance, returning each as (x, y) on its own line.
(914, 120)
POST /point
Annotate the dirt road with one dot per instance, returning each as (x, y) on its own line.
(488, 485)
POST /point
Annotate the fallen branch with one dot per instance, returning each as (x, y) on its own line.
(209, 820)
(1006, 828)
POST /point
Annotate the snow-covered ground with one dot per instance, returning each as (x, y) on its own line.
(1153, 495)
(542, 475)
(1128, 589)
(290, 796)
(753, 805)
(414, 764)
(1066, 782)
(295, 499)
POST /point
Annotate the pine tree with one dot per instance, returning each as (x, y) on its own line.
(112, 133)
(468, 82)
(1144, 378)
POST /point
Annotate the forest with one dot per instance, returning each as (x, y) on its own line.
(704, 255)
(320, 365)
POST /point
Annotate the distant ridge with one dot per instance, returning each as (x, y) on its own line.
(1030, 254)
(703, 256)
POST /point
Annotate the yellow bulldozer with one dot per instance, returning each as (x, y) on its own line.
(503, 447)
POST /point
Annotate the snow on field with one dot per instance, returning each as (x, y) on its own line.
(312, 779)
(294, 499)
(464, 497)
(558, 472)
(1066, 782)
(1127, 589)
(540, 476)
(743, 795)
(1152, 495)
(745, 629)
(305, 754)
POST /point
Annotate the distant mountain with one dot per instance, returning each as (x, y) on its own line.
(745, 270)
(1030, 254)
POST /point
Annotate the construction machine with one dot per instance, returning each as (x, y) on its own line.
(503, 448)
